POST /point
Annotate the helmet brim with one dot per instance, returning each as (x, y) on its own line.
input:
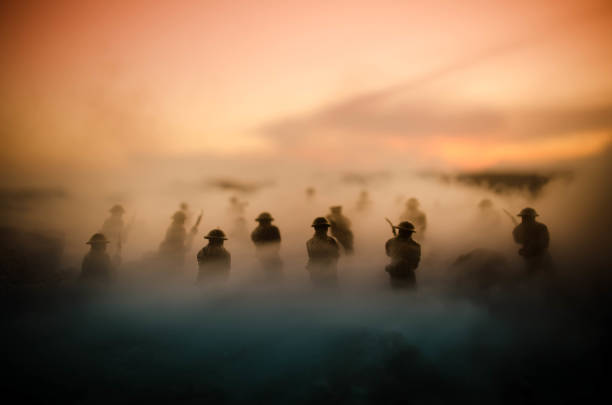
(405, 229)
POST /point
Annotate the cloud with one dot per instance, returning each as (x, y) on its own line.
(21, 199)
(243, 186)
(379, 114)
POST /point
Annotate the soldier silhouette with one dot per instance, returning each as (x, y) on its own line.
(114, 227)
(363, 202)
(176, 242)
(405, 256)
(323, 254)
(413, 214)
(267, 238)
(534, 237)
(96, 266)
(214, 261)
(341, 228)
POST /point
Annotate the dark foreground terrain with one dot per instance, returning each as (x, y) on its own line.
(531, 342)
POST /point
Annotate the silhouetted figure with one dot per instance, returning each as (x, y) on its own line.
(237, 207)
(363, 202)
(310, 193)
(267, 240)
(487, 214)
(341, 228)
(240, 230)
(413, 214)
(184, 207)
(323, 254)
(535, 239)
(176, 242)
(405, 256)
(214, 261)
(114, 227)
(96, 266)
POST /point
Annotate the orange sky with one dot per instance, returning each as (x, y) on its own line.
(463, 84)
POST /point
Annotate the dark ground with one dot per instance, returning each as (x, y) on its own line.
(541, 341)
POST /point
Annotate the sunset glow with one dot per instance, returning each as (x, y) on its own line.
(304, 81)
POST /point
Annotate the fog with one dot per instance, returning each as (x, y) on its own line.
(492, 336)
(454, 227)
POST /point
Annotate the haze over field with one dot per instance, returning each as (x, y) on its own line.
(152, 103)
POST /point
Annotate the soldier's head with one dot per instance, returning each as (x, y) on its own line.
(98, 242)
(264, 218)
(179, 217)
(336, 209)
(216, 237)
(412, 203)
(528, 214)
(320, 224)
(117, 210)
(184, 206)
(405, 229)
(310, 192)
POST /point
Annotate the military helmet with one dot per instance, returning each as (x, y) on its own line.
(405, 226)
(320, 222)
(97, 238)
(264, 216)
(413, 202)
(527, 212)
(117, 209)
(216, 234)
(179, 216)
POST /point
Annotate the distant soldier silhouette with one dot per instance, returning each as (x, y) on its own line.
(535, 239)
(96, 266)
(267, 240)
(341, 228)
(488, 213)
(364, 202)
(240, 230)
(176, 242)
(114, 227)
(214, 261)
(413, 214)
(184, 207)
(237, 207)
(323, 254)
(405, 256)
(310, 193)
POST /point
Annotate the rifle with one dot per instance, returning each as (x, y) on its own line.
(194, 228)
(514, 221)
(392, 226)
